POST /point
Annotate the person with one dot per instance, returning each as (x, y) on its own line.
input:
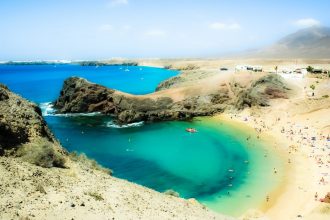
(316, 196)
(267, 198)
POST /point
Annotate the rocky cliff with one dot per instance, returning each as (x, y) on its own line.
(21, 122)
(78, 95)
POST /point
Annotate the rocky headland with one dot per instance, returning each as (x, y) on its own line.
(170, 103)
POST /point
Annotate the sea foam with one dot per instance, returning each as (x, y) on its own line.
(47, 109)
(111, 124)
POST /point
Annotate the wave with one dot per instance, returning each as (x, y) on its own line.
(78, 114)
(111, 124)
(47, 109)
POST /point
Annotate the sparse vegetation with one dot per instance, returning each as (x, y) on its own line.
(325, 96)
(312, 87)
(325, 209)
(89, 163)
(41, 153)
(171, 192)
(188, 67)
(310, 69)
(95, 195)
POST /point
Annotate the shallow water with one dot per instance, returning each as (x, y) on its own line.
(216, 165)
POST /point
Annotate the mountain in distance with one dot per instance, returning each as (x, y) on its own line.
(308, 43)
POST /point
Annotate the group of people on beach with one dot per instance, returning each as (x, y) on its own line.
(304, 139)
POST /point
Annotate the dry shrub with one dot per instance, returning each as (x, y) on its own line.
(95, 195)
(89, 163)
(171, 192)
(41, 153)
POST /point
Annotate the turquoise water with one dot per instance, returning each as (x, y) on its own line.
(216, 165)
(161, 155)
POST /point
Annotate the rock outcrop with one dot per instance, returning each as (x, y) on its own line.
(78, 95)
(20, 121)
(260, 92)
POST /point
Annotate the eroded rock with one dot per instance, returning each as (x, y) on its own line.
(20, 121)
(80, 96)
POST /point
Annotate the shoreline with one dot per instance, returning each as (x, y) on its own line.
(303, 175)
(264, 142)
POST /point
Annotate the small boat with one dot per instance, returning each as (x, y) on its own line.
(191, 130)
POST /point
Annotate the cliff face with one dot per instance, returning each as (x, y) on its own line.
(20, 121)
(78, 96)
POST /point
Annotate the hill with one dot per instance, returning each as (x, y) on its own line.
(308, 43)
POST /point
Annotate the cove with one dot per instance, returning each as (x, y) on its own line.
(216, 165)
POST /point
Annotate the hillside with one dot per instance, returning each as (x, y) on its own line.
(309, 43)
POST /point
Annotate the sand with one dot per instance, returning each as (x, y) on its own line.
(79, 192)
(300, 126)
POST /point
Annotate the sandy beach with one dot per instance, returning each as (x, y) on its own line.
(301, 132)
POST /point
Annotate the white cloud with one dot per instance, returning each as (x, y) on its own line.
(224, 26)
(113, 3)
(155, 33)
(106, 27)
(307, 22)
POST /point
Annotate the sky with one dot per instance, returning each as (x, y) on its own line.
(105, 29)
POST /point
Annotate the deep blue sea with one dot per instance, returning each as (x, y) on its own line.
(42, 83)
(215, 165)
